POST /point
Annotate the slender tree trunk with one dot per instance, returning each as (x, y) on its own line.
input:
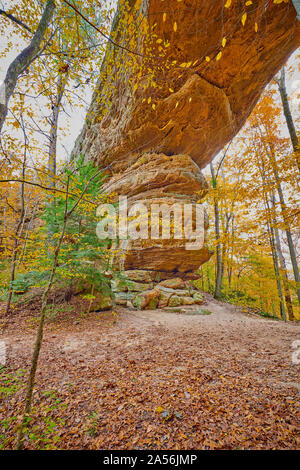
(208, 279)
(230, 260)
(29, 226)
(224, 256)
(52, 154)
(61, 83)
(286, 222)
(270, 229)
(273, 308)
(276, 265)
(219, 264)
(17, 236)
(39, 336)
(285, 279)
(24, 59)
(283, 268)
(202, 278)
(288, 115)
(225, 228)
(4, 225)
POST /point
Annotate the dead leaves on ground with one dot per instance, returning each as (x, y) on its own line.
(128, 386)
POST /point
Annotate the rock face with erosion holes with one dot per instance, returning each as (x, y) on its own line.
(211, 62)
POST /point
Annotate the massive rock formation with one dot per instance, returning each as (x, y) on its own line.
(212, 60)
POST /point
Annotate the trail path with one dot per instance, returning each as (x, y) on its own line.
(224, 381)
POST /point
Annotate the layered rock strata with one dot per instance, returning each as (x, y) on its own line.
(154, 139)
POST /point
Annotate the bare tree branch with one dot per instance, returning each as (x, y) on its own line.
(24, 59)
(15, 20)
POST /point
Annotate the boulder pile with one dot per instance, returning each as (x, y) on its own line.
(143, 290)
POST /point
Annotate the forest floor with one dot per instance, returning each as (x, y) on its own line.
(154, 380)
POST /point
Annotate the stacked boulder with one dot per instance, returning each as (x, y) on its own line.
(143, 290)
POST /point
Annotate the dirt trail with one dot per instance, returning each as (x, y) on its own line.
(225, 380)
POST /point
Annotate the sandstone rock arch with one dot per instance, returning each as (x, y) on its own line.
(157, 152)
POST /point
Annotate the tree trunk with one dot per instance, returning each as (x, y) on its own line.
(52, 154)
(282, 264)
(17, 236)
(219, 266)
(230, 259)
(275, 264)
(272, 238)
(24, 59)
(61, 83)
(208, 278)
(286, 223)
(39, 336)
(288, 115)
